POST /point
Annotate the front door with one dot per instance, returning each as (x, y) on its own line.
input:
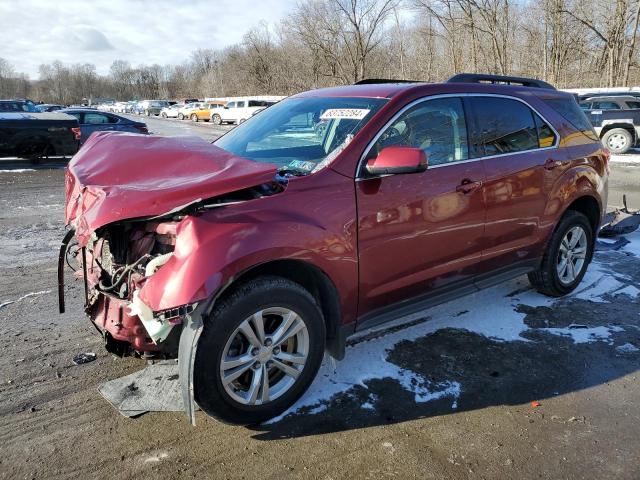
(421, 231)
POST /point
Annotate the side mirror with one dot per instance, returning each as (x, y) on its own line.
(394, 160)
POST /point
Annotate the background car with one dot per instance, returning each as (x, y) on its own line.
(186, 110)
(610, 102)
(616, 119)
(95, 121)
(49, 107)
(239, 110)
(171, 111)
(151, 107)
(205, 111)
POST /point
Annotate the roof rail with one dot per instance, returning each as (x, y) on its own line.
(499, 79)
(371, 81)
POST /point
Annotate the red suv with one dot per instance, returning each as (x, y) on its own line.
(330, 212)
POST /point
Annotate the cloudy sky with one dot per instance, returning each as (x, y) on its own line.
(139, 31)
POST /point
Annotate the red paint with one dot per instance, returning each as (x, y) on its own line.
(116, 176)
(379, 240)
(393, 160)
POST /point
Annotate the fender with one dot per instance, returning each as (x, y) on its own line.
(215, 248)
(582, 180)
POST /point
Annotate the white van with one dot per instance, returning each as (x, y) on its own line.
(237, 111)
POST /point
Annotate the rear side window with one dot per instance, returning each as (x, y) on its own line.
(98, 118)
(502, 125)
(569, 109)
(605, 106)
(633, 104)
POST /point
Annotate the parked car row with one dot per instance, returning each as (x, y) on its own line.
(34, 131)
(218, 112)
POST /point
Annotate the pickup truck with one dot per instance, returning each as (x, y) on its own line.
(30, 134)
(616, 120)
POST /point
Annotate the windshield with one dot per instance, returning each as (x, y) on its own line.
(301, 135)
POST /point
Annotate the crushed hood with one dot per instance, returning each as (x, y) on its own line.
(118, 176)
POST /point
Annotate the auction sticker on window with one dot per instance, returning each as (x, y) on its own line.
(348, 113)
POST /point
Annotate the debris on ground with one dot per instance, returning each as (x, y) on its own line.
(535, 404)
(575, 326)
(620, 222)
(84, 358)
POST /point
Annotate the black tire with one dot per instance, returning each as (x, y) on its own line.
(194, 117)
(618, 140)
(546, 279)
(180, 116)
(164, 115)
(216, 119)
(227, 315)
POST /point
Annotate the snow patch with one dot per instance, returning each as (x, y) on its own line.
(491, 313)
(627, 348)
(28, 295)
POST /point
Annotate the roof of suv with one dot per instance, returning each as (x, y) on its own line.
(390, 90)
(623, 98)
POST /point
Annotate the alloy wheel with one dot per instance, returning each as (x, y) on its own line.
(264, 356)
(572, 255)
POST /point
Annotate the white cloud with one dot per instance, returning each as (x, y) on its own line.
(139, 31)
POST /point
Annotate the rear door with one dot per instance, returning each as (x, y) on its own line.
(421, 231)
(521, 163)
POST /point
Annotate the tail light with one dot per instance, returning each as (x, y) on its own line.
(142, 128)
(76, 132)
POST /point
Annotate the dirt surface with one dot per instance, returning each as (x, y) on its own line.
(456, 403)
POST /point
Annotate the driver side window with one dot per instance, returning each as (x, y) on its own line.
(436, 126)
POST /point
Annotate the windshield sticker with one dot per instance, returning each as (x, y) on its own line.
(302, 165)
(346, 113)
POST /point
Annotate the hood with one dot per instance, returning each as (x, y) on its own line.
(117, 176)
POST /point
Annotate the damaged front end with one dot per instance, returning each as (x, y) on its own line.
(127, 198)
(115, 265)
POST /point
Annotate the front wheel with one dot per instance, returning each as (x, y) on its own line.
(618, 140)
(567, 257)
(259, 351)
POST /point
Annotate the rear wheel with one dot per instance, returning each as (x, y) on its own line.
(567, 257)
(164, 115)
(216, 119)
(260, 349)
(618, 140)
(194, 117)
(180, 116)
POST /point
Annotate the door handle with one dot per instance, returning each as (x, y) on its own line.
(467, 186)
(550, 164)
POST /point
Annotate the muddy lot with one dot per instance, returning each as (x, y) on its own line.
(446, 394)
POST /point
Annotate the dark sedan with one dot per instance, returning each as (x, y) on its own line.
(97, 121)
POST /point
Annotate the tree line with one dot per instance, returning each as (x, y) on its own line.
(569, 43)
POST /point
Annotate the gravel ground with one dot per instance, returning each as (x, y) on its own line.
(447, 395)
